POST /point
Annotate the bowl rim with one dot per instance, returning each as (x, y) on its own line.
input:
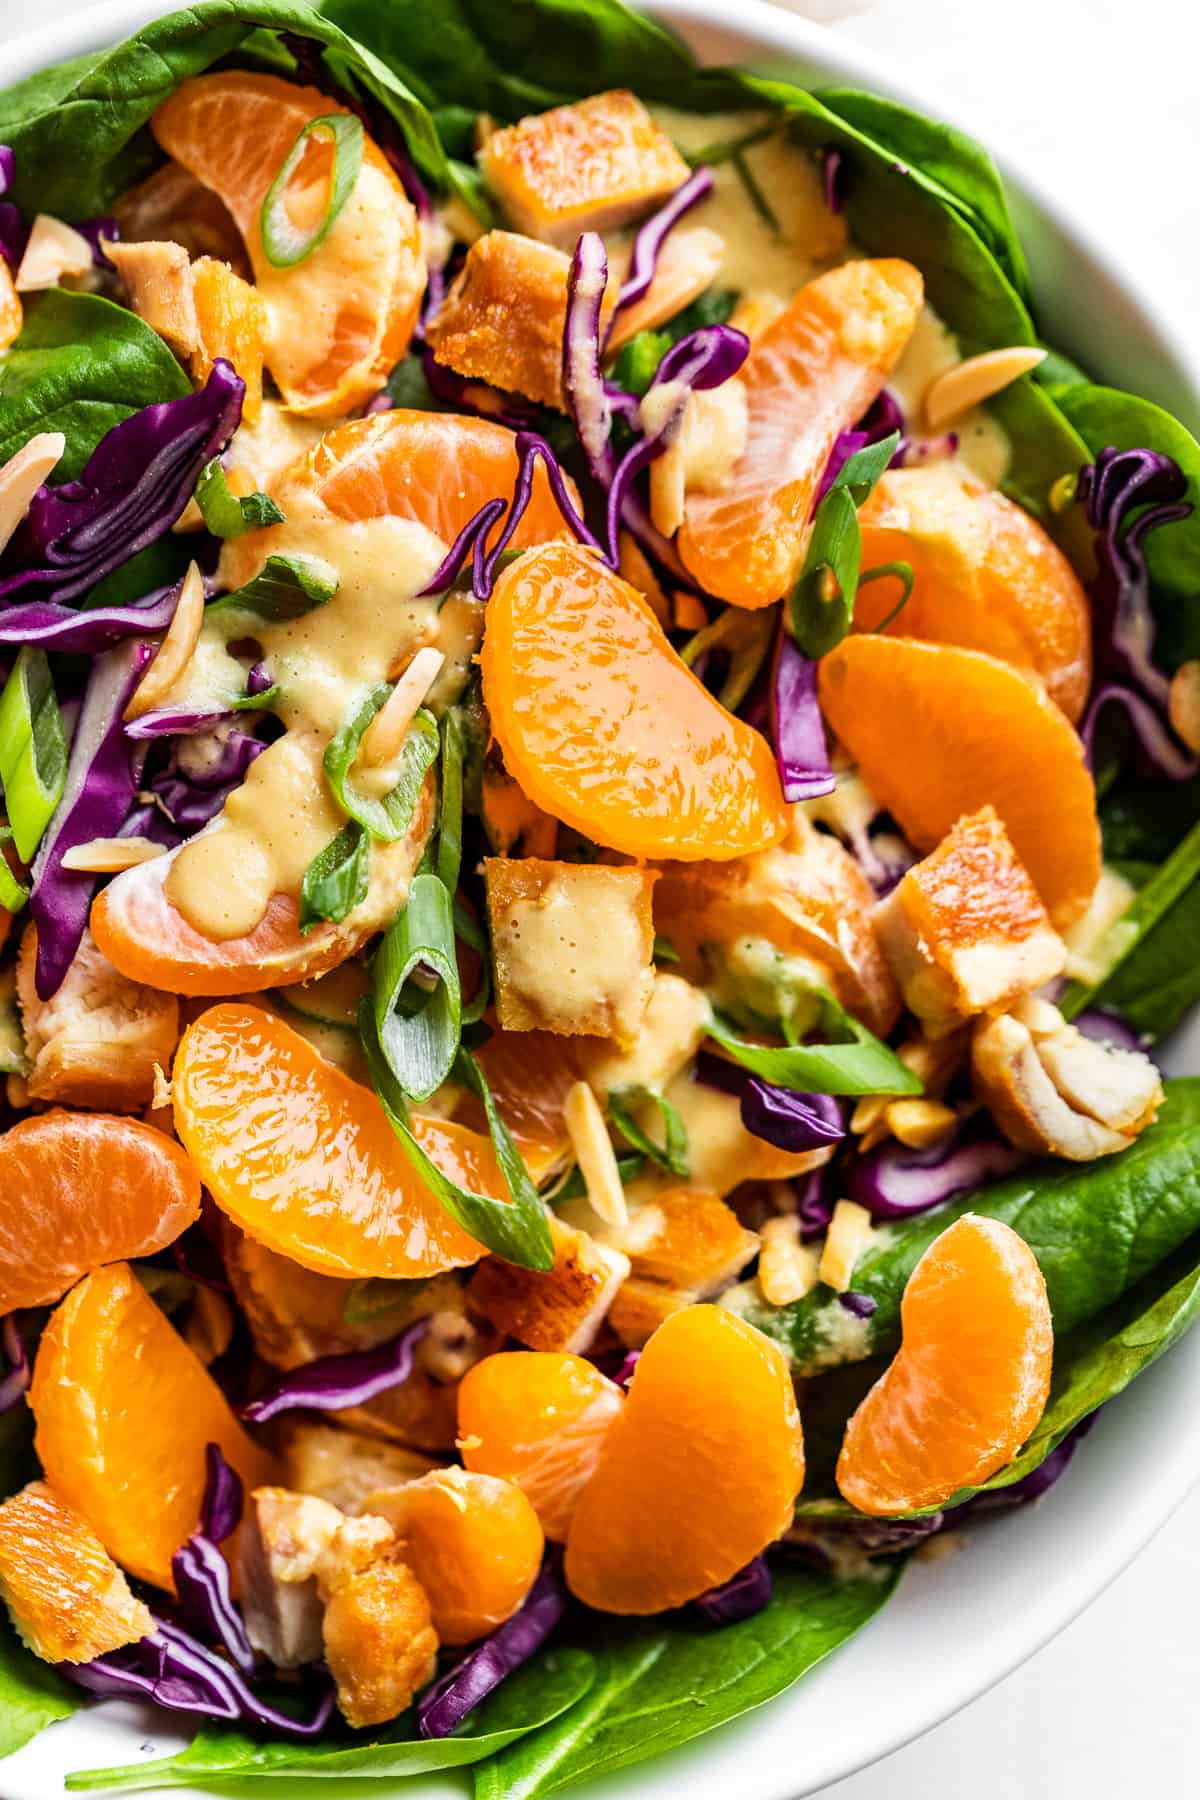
(772, 32)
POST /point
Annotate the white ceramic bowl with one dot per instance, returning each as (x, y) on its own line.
(963, 1623)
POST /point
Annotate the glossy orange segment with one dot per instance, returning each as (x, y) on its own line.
(12, 313)
(698, 1473)
(530, 1074)
(66, 1597)
(939, 731)
(303, 1159)
(538, 1418)
(232, 322)
(605, 728)
(340, 320)
(812, 374)
(969, 1382)
(986, 576)
(124, 1410)
(472, 1541)
(81, 1189)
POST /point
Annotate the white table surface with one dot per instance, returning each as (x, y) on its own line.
(1103, 93)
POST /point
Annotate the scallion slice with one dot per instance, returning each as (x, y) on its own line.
(336, 879)
(417, 999)
(672, 1153)
(389, 815)
(284, 243)
(12, 895)
(33, 749)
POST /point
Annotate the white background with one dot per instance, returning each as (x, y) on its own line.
(1101, 94)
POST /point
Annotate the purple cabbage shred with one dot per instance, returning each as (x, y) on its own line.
(332, 1382)
(893, 1181)
(789, 1120)
(743, 1595)
(14, 1380)
(444, 1706)
(95, 229)
(647, 245)
(832, 180)
(64, 628)
(797, 728)
(1157, 751)
(200, 1571)
(861, 1305)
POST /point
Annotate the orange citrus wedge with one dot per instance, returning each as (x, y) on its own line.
(606, 729)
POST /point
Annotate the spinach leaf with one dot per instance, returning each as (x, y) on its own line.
(661, 1682)
(1143, 820)
(285, 588)
(79, 129)
(1096, 1229)
(80, 366)
(32, 1696)
(528, 1701)
(1160, 979)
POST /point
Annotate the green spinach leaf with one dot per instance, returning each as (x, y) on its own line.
(528, 1701)
(32, 1696)
(1096, 1229)
(80, 366)
(1160, 979)
(661, 1682)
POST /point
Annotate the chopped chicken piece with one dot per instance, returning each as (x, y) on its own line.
(1051, 1089)
(641, 1307)
(343, 1466)
(573, 945)
(688, 264)
(157, 277)
(673, 1028)
(559, 1309)
(964, 929)
(97, 1040)
(778, 923)
(317, 1583)
(503, 318)
(592, 166)
(700, 1245)
(171, 203)
(67, 1598)
(721, 1152)
(510, 819)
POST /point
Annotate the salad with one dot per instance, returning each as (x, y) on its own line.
(601, 764)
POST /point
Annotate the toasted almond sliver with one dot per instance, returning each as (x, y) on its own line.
(595, 1155)
(920, 1123)
(54, 249)
(787, 1269)
(176, 650)
(108, 856)
(968, 383)
(387, 730)
(1183, 705)
(22, 476)
(848, 1236)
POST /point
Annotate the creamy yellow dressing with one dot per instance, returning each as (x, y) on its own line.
(983, 446)
(575, 951)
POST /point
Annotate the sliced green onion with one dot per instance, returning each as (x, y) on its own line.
(859, 1065)
(672, 1153)
(466, 926)
(286, 587)
(416, 1001)
(449, 849)
(224, 514)
(33, 749)
(573, 1187)
(13, 1060)
(862, 471)
(12, 894)
(757, 198)
(665, 951)
(822, 602)
(337, 878)
(518, 1229)
(376, 1297)
(387, 816)
(903, 573)
(284, 244)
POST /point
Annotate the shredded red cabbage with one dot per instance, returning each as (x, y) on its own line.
(1032, 1486)
(98, 795)
(1157, 751)
(647, 245)
(893, 1181)
(96, 229)
(332, 1382)
(801, 751)
(743, 1595)
(258, 680)
(64, 628)
(136, 483)
(456, 390)
(14, 1382)
(861, 1305)
(832, 181)
(624, 1374)
(200, 1571)
(1109, 1028)
(814, 1207)
(13, 230)
(444, 1705)
(791, 1121)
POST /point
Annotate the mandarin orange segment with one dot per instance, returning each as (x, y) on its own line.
(472, 1541)
(939, 731)
(538, 1418)
(986, 576)
(812, 374)
(11, 311)
(304, 1160)
(340, 320)
(232, 322)
(606, 729)
(530, 1074)
(698, 1473)
(124, 1410)
(969, 1382)
(81, 1189)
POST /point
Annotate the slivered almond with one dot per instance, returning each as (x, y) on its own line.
(848, 1236)
(920, 1123)
(787, 1269)
(1183, 704)
(595, 1155)
(54, 249)
(176, 650)
(108, 856)
(976, 379)
(22, 476)
(386, 733)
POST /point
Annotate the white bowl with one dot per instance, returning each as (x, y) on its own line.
(960, 1624)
